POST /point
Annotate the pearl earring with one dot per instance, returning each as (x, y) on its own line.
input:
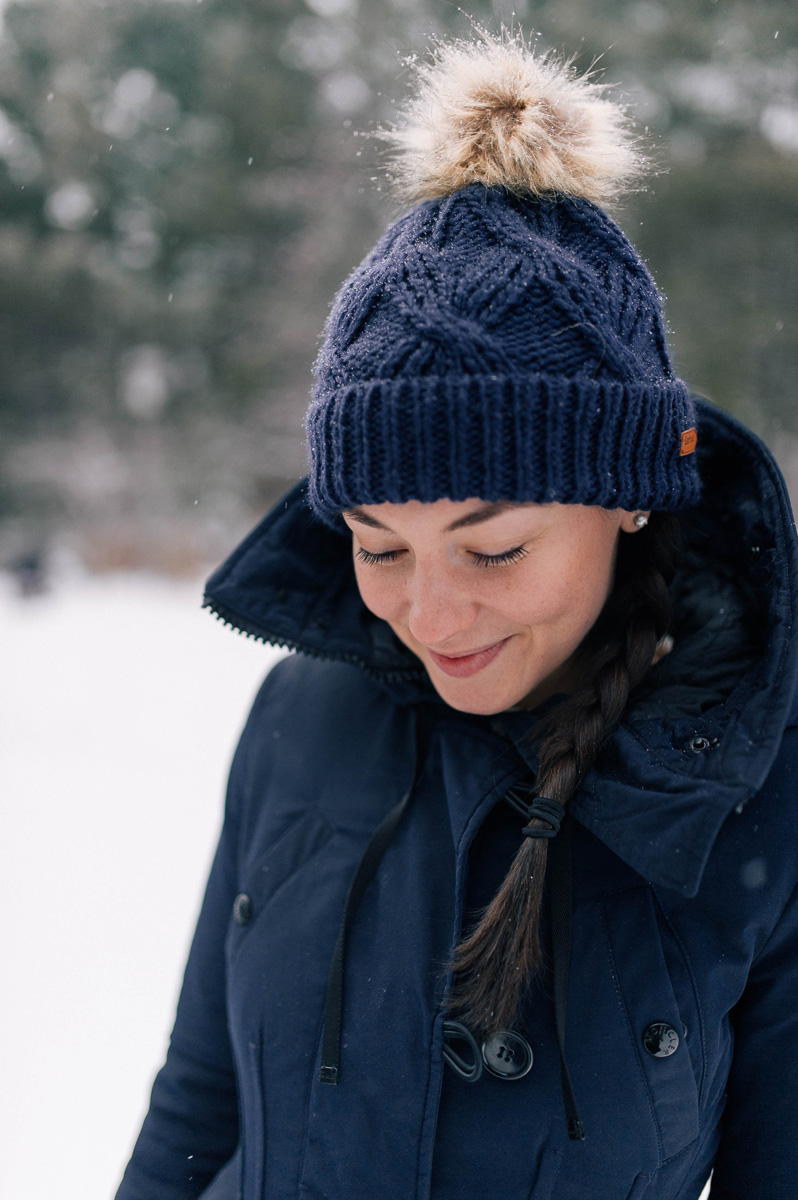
(640, 520)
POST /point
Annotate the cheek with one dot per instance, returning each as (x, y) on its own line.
(567, 593)
(380, 595)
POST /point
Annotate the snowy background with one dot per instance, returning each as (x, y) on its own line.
(118, 723)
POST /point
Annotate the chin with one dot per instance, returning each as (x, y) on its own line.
(483, 702)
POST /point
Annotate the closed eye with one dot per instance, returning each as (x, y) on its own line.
(499, 560)
(480, 560)
(373, 559)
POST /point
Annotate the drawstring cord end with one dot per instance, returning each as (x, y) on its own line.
(332, 1021)
(576, 1130)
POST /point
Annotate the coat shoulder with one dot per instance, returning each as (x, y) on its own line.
(321, 737)
(323, 695)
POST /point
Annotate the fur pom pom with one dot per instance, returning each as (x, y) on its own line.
(491, 111)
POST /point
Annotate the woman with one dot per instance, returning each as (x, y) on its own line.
(504, 901)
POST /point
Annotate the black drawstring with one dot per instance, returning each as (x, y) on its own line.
(520, 796)
(540, 808)
(561, 946)
(366, 870)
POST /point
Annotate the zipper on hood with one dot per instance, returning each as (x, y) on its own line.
(259, 633)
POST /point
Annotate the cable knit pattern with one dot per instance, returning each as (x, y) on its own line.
(499, 347)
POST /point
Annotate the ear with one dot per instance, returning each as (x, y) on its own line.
(630, 521)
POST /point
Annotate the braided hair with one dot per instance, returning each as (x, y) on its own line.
(495, 960)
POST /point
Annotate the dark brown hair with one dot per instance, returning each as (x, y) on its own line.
(495, 961)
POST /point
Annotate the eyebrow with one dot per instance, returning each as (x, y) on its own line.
(475, 518)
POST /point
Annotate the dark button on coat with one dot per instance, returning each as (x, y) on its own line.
(685, 913)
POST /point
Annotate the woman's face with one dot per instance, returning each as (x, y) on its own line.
(494, 598)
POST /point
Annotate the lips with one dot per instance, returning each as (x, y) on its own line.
(462, 665)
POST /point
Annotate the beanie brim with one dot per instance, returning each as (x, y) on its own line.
(526, 438)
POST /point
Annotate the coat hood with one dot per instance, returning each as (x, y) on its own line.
(701, 736)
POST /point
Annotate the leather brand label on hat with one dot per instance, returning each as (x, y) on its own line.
(689, 442)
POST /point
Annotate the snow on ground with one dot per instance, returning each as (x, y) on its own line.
(120, 707)
(119, 712)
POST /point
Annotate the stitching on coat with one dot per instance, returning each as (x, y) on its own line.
(241, 884)
(309, 1095)
(663, 1161)
(641, 1072)
(425, 1108)
(688, 964)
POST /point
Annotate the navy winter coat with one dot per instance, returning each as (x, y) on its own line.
(684, 904)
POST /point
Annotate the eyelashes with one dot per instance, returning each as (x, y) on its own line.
(374, 559)
(480, 560)
(499, 560)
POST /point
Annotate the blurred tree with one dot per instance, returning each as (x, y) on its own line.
(183, 186)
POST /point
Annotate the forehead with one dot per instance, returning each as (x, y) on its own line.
(443, 515)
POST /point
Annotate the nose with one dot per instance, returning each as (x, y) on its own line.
(440, 608)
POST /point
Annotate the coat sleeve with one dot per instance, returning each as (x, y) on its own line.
(758, 1155)
(191, 1128)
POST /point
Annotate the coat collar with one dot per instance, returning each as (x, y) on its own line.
(702, 736)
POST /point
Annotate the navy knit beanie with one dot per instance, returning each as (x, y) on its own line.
(503, 340)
